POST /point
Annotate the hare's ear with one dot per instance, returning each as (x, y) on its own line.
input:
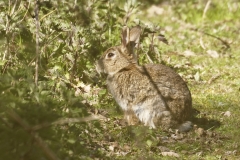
(130, 36)
(135, 33)
(125, 36)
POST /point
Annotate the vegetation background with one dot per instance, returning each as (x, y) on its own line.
(53, 105)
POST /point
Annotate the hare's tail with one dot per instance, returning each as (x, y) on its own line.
(185, 127)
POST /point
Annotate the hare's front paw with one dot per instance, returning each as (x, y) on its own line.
(130, 117)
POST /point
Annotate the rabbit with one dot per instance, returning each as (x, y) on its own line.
(152, 94)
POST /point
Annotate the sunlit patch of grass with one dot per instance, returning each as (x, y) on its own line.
(216, 93)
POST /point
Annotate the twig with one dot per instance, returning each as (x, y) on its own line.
(47, 151)
(193, 28)
(7, 52)
(151, 48)
(27, 10)
(201, 43)
(218, 38)
(47, 14)
(63, 121)
(213, 78)
(205, 9)
(13, 8)
(148, 57)
(37, 41)
(203, 17)
(213, 36)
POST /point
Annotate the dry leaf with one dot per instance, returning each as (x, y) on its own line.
(162, 38)
(231, 152)
(171, 154)
(121, 153)
(197, 76)
(213, 78)
(200, 131)
(163, 149)
(154, 10)
(111, 148)
(188, 53)
(213, 54)
(77, 92)
(87, 88)
(227, 114)
(126, 147)
(177, 136)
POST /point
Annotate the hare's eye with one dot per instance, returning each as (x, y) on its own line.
(110, 55)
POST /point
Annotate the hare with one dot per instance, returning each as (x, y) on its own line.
(152, 94)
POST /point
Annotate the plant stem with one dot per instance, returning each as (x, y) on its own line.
(37, 41)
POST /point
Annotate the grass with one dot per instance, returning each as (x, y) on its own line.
(214, 82)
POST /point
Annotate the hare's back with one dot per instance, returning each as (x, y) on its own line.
(166, 77)
(173, 89)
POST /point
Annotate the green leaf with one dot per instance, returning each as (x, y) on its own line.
(72, 141)
(2, 62)
(103, 91)
(149, 143)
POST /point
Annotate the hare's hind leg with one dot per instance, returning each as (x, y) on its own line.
(130, 117)
(163, 119)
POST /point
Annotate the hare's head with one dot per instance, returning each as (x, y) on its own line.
(119, 57)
